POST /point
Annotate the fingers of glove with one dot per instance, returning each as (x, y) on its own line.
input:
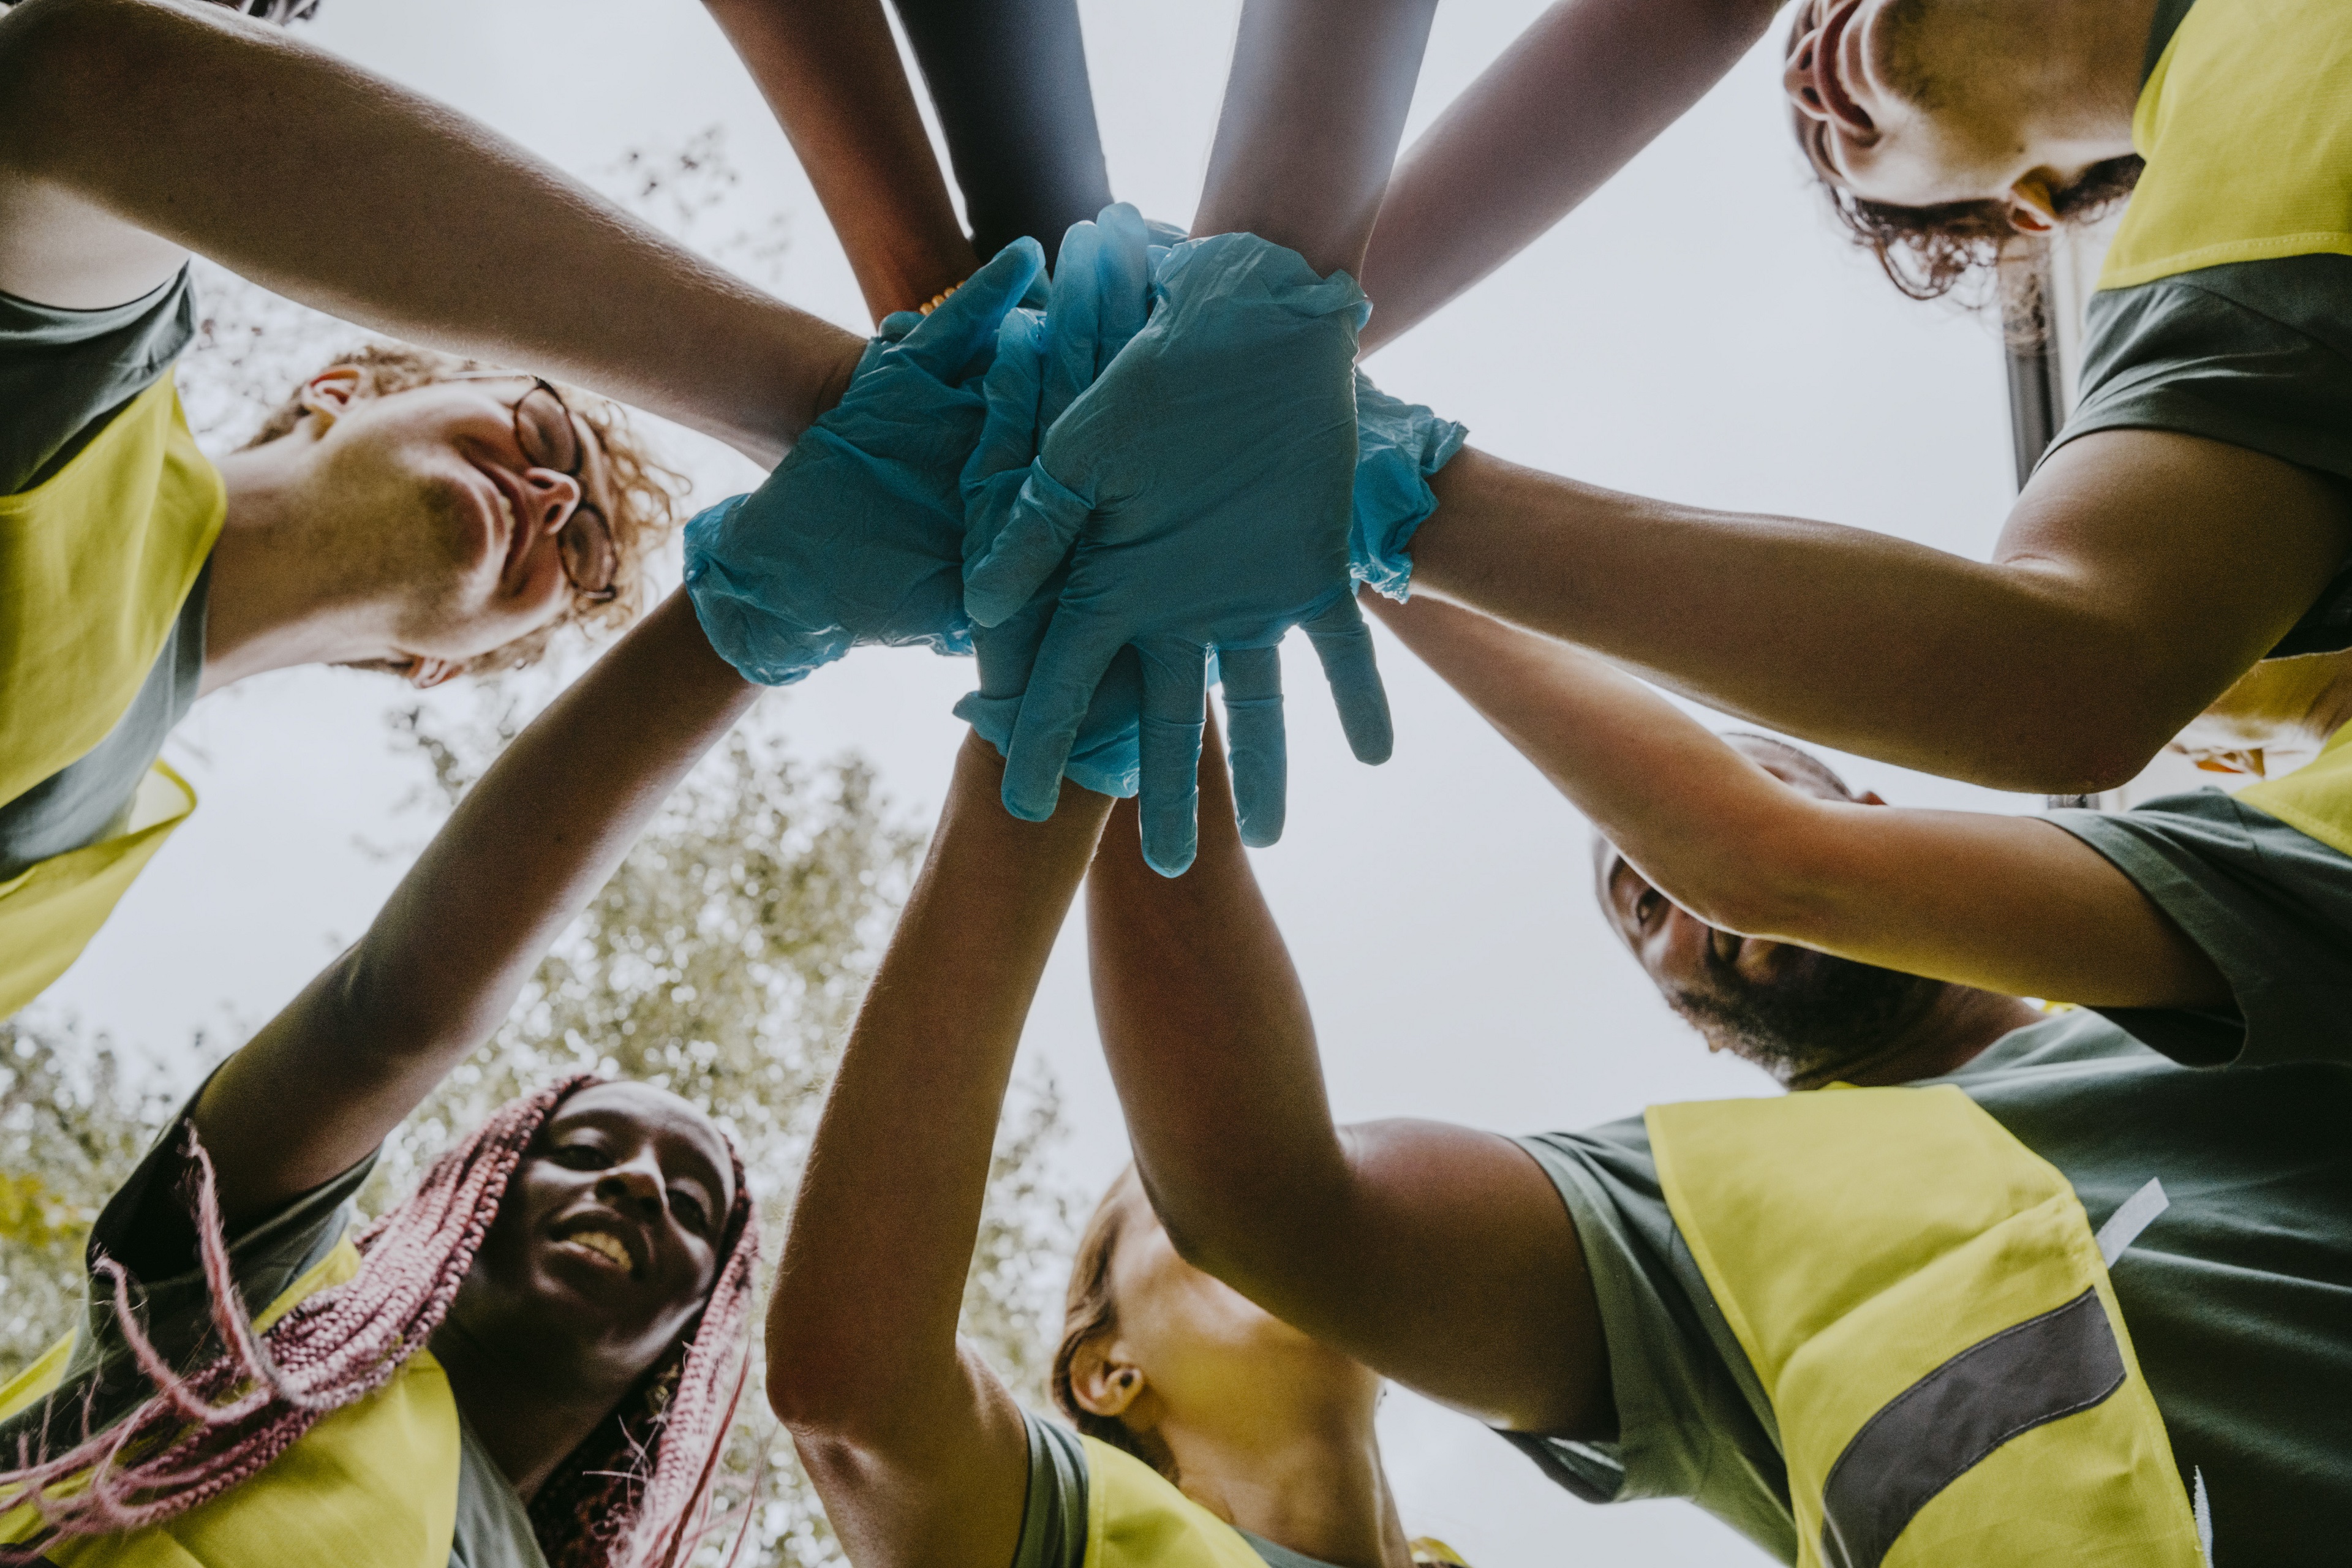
(1125, 267)
(1254, 741)
(1015, 379)
(955, 335)
(1037, 534)
(1175, 703)
(1071, 320)
(1345, 646)
(1104, 760)
(1070, 663)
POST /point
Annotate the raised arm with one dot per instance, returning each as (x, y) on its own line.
(1314, 109)
(830, 70)
(128, 134)
(2011, 904)
(326, 1080)
(1566, 107)
(918, 1450)
(1438, 1256)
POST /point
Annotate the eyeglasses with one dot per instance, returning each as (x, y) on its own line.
(548, 431)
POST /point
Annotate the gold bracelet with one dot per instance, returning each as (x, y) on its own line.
(938, 299)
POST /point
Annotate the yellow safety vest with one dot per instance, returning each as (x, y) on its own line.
(1136, 1519)
(374, 1485)
(1925, 1306)
(95, 563)
(2315, 798)
(2246, 124)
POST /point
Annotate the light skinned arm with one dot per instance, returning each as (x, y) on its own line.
(133, 131)
(325, 1080)
(2012, 904)
(1589, 85)
(830, 70)
(2139, 576)
(918, 1450)
(1439, 1256)
(1314, 109)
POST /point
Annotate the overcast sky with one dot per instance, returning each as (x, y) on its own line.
(1699, 330)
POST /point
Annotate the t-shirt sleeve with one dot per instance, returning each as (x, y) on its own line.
(63, 373)
(1054, 1517)
(2271, 906)
(1691, 1420)
(147, 1229)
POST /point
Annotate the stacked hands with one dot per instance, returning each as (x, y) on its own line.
(1114, 490)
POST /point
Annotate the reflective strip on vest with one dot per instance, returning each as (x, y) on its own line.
(1924, 1304)
(2246, 124)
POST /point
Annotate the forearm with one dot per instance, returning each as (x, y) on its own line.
(523, 853)
(1591, 83)
(861, 1329)
(1314, 109)
(383, 207)
(830, 70)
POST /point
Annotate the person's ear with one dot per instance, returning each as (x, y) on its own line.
(425, 674)
(1870, 797)
(2032, 208)
(329, 396)
(2246, 762)
(1103, 1382)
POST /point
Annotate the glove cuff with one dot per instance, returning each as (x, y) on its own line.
(1392, 498)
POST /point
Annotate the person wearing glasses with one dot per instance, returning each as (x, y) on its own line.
(408, 509)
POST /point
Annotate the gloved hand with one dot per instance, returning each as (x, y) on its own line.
(1100, 299)
(857, 537)
(1205, 479)
(1398, 446)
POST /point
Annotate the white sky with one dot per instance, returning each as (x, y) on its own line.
(1699, 330)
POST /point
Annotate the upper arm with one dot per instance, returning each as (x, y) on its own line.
(946, 1487)
(56, 248)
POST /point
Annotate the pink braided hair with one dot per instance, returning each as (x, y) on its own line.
(637, 1495)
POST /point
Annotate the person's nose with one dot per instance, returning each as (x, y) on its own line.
(555, 495)
(634, 1184)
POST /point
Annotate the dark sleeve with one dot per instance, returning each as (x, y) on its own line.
(2257, 353)
(2272, 907)
(63, 373)
(146, 1228)
(1009, 80)
(1054, 1517)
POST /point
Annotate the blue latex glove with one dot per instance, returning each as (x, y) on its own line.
(1398, 446)
(1205, 479)
(857, 537)
(1100, 299)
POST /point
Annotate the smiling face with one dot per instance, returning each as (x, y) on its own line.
(430, 498)
(609, 1238)
(1802, 1015)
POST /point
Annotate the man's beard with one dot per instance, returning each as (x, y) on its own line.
(1817, 1015)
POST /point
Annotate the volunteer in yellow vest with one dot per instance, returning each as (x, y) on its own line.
(2040, 1293)
(2195, 516)
(1208, 1434)
(531, 1361)
(400, 513)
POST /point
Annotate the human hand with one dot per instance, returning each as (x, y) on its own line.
(1204, 479)
(1399, 446)
(857, 537)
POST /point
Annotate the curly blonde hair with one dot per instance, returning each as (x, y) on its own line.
(645, 490)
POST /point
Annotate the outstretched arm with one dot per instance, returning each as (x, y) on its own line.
(830, 70)
(1591, 83)
(2011, 904)
(1439, 1256)
(127, 138)
(2140, 575)
(917, 1449)
(324, 1081)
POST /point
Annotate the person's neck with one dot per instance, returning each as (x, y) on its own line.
(2078, 67)
(1962, 1023)
(1312, 1483)
(273, 602)
(528, 1416)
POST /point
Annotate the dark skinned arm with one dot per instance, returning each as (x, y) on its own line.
(917, 1448)
(1439, 1256)
(325, 1080)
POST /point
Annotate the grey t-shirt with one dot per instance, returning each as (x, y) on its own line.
(1054, 1519)
(2238, 1297)
(146, 1228)
(2257, 353)
(64, 376)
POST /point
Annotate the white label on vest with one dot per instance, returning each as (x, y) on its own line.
(2123, 1226)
